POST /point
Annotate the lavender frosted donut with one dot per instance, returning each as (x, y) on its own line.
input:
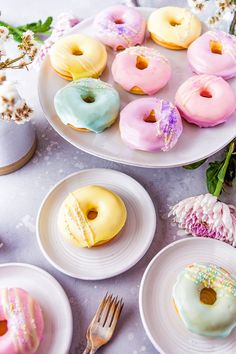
(150, 124)
(214, 53)
(120, 27)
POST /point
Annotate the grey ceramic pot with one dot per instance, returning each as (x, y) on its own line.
(17, 145)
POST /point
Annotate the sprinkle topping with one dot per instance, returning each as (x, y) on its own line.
(167, 123)
(151, 53)
(90, 83)
(211, 276)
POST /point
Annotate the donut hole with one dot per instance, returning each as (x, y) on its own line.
(119, 21)
(174, 22)
(205, 93)
(141, 62)
(92, 214)
(77, 52)
(208, 296)
(3, 327)
(151, 118)
(88, 99)
(216, 47)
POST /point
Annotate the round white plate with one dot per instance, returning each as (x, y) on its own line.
(51, 297)
(160, 319)
(112, 258)
(194, 144)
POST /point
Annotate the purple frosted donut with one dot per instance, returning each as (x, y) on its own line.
(120, 27)
(150, 124)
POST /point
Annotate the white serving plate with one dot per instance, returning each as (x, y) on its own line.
(194, 144)
(51, 297)
(112, 258)
(160, 319)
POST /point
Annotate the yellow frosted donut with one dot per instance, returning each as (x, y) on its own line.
(174, 27)
(78, 56)
(91, 216)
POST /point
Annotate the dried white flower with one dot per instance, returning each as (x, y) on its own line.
(4, 33)
(12, 106)
(205, 216)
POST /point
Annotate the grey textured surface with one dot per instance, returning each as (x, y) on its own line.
(22, 192)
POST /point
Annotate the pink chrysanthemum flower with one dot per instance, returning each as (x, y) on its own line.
(205, 216)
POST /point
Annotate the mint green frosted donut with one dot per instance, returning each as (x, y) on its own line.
(87, 104)
(215, 318)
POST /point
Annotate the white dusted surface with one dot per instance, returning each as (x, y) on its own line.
(21, 194)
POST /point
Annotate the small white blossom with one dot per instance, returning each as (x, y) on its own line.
(29, 34)
(4, 33)
(205, 216)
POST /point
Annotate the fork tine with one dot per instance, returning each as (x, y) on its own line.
(117, 313)
(100, 308)
(105, 310)
(111, 312)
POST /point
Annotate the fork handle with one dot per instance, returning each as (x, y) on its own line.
(93, 350)
(87, 349)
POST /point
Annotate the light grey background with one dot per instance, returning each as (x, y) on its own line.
(22, 192)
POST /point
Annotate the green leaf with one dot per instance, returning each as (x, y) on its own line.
(37, 27)
(212, 175)
(194, 165)
(231, 172)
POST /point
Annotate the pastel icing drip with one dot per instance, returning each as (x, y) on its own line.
(211, 276)
(166, 124)
(78, 56)
(90, 216)
(72, 108)
(182, 32)
(76, 224)
(205, 216)
(111, 28)
(120, 26)
(227, 40)
(149, 53)
(24, 321)
(90, 84)
(194, 84)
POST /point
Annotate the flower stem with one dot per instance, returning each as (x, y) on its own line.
(223, 170)
(233, 24)
(8, 63)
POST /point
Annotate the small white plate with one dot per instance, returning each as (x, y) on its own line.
(51, 297)
(194, 144)
(161, 322)
(112, 258)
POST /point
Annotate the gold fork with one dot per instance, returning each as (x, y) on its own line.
(103, 325)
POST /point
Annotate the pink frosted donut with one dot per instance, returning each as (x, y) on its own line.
(214, 53)
(21, 322)
(205, 100)
(141, 70)
(150, 124)
(120, 27)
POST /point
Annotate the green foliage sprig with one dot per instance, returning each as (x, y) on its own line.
(219, 173)
(38, 28)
